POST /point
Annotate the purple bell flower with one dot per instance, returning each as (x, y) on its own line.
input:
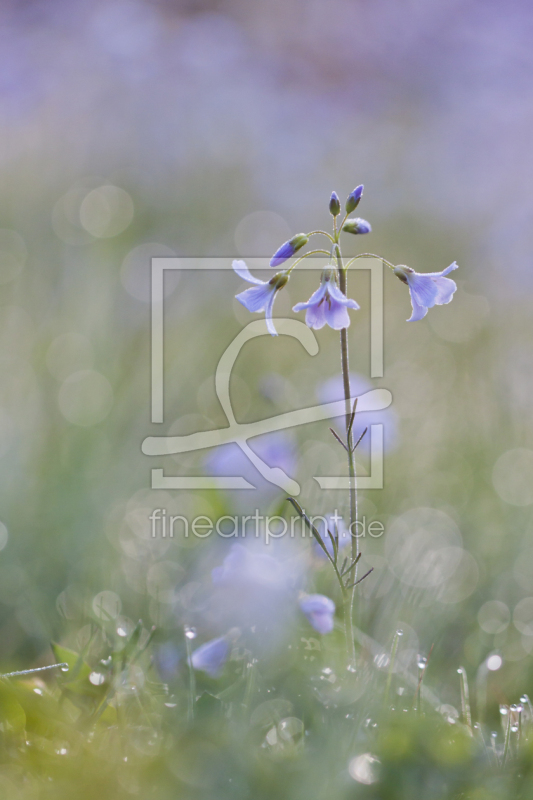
(262, 295)
(319, 611)
(211, 656)
(427, 289)
(327, 305)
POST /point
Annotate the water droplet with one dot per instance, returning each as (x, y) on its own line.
(493, 735)
(351, 668)
(504, 711)
(514, 728)
(38, 691)
(65, 667)
(399, 632)
(327, 671)
(190, 633)
(171, 705)
(524, 699)
(122, 631)
(421, 662)
(62, 751)
(96, 678)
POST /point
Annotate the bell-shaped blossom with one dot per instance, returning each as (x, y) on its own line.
(427, 289)
(211, 656)
(327, 305)
(319, 611)
(262, 295)
(288, 249)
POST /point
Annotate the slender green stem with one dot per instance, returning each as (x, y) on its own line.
(349, 595)
(23, 672)
(369, 255)
(507, 739)
(321, 233)
(394, 650)
(191, 697)
(306, 255)
(465, 698)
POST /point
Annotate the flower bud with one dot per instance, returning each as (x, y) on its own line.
(357, 225)
(334, 205)
(288, 249)
(353, 199)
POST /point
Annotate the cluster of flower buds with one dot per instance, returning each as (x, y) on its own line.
(329, 304)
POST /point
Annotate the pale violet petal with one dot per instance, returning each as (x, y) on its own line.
(315, 298)
(243, 272)
(336, 314)
(315, 316)
(256, 298)
(419, 311)
(422, 288)
(443, 272)
(336, 293)
(446, 288)
(268, 315)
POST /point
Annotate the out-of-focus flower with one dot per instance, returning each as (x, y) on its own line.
(332, 390)
(327, 305)
(242, 566)
(357, 225)
(335, 524)
(261, 297)
(334, 205)
(288, 249)
(319, 611)
(167, 660)
(353, 199)
(427, 289)
(211, 656)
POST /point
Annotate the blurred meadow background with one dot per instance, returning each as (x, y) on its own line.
(219, 129)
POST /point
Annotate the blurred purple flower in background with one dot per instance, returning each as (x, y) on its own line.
(332, 522)
(427, 289)
(327, 305)
(211, 656)
(262, 296)
(275, 449)
(256, 590)
(319, 611)
(332, 390)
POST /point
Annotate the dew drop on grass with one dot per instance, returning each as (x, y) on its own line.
(96, 678)
(504, 711)
(190, 633)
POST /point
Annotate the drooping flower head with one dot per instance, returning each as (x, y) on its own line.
(427, 289)
(353, 199)
(262, 295)
(319, 611)
(327, 305)
(211, 656)
(288, 249)
(357, 225)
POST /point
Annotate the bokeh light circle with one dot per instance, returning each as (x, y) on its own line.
(85, 398)
(512, 477)
(493, 616)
